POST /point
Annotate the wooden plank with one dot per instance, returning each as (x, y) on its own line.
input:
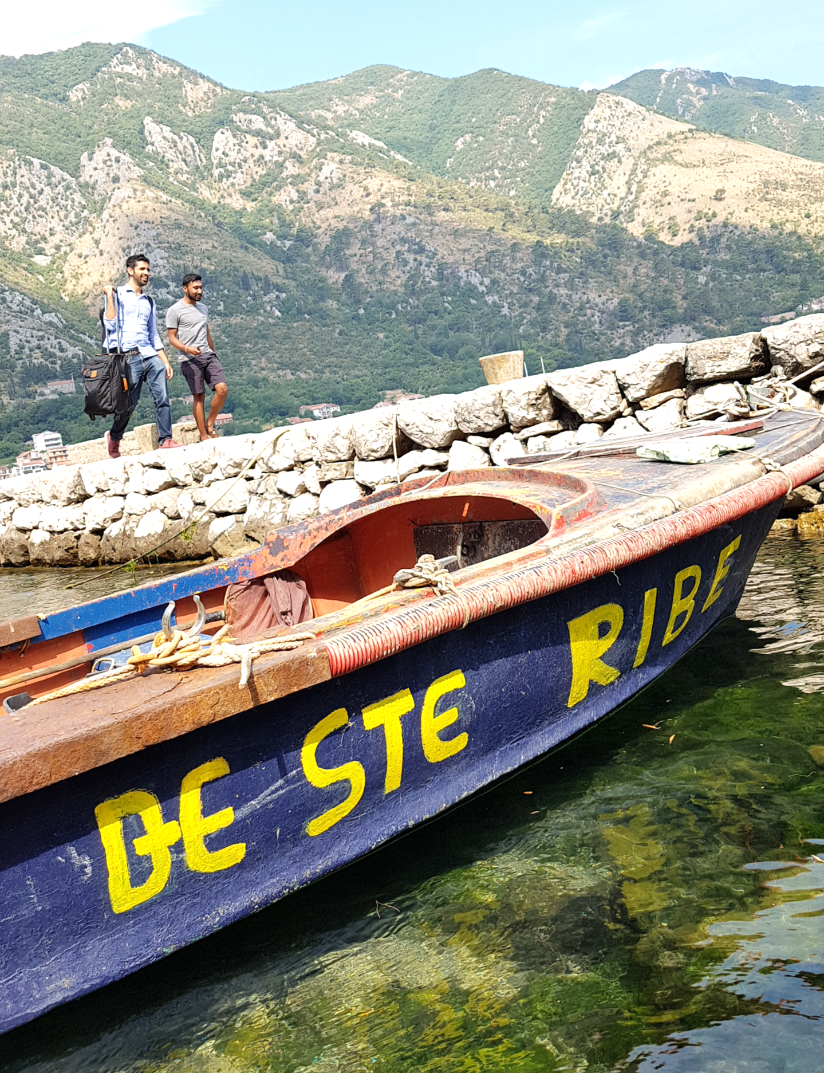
(64, 737)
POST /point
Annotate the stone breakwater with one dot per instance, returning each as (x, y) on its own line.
(190, 504)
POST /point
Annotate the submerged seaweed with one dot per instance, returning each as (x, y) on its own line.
(641, 899)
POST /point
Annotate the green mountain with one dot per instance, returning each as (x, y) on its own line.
(377, 231)
(491, 130)
(787, 118)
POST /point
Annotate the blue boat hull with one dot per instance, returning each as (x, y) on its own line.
(111, 870)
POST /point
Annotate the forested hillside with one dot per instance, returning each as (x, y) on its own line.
(789, 118)
(378, 231)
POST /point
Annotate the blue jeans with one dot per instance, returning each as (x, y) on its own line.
(153, 371)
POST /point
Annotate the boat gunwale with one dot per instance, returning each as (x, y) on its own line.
(30, 760)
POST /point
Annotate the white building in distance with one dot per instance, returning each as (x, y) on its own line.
(46, 441)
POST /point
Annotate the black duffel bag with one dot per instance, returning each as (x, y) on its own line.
(106, 378)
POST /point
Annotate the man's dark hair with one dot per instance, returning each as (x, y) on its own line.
(131, 262)
(190, 277)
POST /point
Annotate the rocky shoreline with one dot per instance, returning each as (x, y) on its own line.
(206, 499)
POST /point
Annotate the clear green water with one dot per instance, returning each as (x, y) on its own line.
(621, 905)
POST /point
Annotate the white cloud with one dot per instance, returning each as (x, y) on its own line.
(47, 25)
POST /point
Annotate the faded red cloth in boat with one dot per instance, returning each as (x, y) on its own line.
(258, 606)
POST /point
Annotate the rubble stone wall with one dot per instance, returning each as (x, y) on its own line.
(189, 504)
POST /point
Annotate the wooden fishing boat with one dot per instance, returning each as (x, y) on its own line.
(144, 814)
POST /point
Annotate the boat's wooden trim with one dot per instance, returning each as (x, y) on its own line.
(61, 738)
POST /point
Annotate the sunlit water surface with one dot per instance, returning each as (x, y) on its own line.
(647, 898)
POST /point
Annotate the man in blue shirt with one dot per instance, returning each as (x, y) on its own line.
(131, 326)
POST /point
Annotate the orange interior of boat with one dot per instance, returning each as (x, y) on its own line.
(349, 564)
(366, 555)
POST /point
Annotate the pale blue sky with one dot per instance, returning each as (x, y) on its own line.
(271, 44)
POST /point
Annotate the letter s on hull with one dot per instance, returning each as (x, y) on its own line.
(353, 772)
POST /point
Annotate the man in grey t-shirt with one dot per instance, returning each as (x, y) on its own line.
(187, 323)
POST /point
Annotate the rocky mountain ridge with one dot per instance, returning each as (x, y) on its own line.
(383, 229)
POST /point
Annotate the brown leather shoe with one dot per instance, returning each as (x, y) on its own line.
(170, 443)
(112, 446)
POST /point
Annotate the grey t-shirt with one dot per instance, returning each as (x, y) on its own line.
(191, 322)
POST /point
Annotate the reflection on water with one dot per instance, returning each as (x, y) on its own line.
(643, 899)
(44, 591)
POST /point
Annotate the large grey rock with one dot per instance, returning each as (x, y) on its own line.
(27, 518)
(331, 440)
(118, 477)
(52, 549)
(562, 441)
(152, 529)
(528, 401)
(135, 472)
(376, 434)
(296, 444)
(291, 482)
(156, 480)
(263, 515)
(481, 410)
(588, 432)
(658, 368)
(311, 478)
(463, 455)
(537, 445)
(234, 454)
(302, 507)
(229, 496)
(88, 549)
(275, 461)
(505, 447)
(623, 426)
(652, 401)
(178, 468)
(226, 536)
(543, 428)
(117, 544)
(136, 504)
(95, 477)
(430, 422)
(186, 506)
(662, 418)
(14, 546)
(372, 474)
(590, 391)
(797, 345)
(67, 485)
(335, 471)
(339, 494)
(413, 461)
(191, 540)
(804, 497)
(56, 519)
(27, 492)
(711, 400)
(165, 501)
(727, 358)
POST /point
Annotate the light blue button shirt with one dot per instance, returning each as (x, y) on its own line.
(137, 321)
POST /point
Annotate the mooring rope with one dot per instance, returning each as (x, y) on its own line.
(182, 653)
